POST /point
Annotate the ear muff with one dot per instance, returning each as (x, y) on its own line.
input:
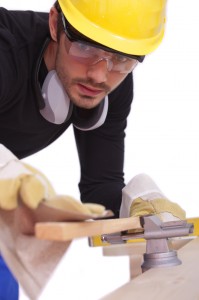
(58, 108)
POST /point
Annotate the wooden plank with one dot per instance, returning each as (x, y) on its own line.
(135, 251)
(64, 231)
(173, 283)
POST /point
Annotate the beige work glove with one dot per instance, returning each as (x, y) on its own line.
(141, 196)
(21, 182)
(23, 191)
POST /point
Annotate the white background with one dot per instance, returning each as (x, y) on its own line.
(163, 127)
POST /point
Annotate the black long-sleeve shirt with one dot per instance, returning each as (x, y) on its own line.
(24, 131)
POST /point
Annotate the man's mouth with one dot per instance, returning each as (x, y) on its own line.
(89, 91)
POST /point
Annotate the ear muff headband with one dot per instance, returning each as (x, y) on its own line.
(58, 108)
(94, 119)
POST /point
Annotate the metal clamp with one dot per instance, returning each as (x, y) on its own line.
(157, 234)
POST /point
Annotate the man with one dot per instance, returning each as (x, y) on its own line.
(76, 70)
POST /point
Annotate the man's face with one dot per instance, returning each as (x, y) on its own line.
(86, 85)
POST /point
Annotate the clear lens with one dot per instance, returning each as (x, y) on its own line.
(90, 55)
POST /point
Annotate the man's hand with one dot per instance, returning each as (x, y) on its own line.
(141, 196)
(22, 189)
(68, 203)
(21, 182)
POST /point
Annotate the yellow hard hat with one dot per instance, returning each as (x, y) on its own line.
(129, 26)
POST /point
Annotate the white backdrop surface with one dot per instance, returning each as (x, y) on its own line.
(163, 127)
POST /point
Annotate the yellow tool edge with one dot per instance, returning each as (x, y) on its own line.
(195, 222)
(96, 241)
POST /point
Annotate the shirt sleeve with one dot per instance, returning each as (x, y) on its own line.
(101, 152)
(8, 59)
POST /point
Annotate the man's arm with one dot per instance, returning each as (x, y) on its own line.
(8, 59)
(101, 152)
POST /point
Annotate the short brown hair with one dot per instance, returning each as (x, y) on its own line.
(57, 6)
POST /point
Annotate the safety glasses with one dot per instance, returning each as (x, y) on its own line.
(85, 53)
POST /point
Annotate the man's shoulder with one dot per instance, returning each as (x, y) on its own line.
(21, 15)
(22, 34)
(23, 24)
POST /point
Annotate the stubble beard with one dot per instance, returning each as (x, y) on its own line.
(83, 101)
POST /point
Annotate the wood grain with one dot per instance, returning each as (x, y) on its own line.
(173, 283)
(64, 231)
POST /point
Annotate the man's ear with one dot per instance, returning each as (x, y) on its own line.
(53, 16)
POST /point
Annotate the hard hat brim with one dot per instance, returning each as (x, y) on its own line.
(107, 38)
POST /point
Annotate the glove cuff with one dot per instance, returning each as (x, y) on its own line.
(6, 156)
(140, 186)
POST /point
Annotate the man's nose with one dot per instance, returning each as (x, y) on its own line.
(98, 71)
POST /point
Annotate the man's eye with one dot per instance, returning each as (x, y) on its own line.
(120, 58)
(83, 47)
